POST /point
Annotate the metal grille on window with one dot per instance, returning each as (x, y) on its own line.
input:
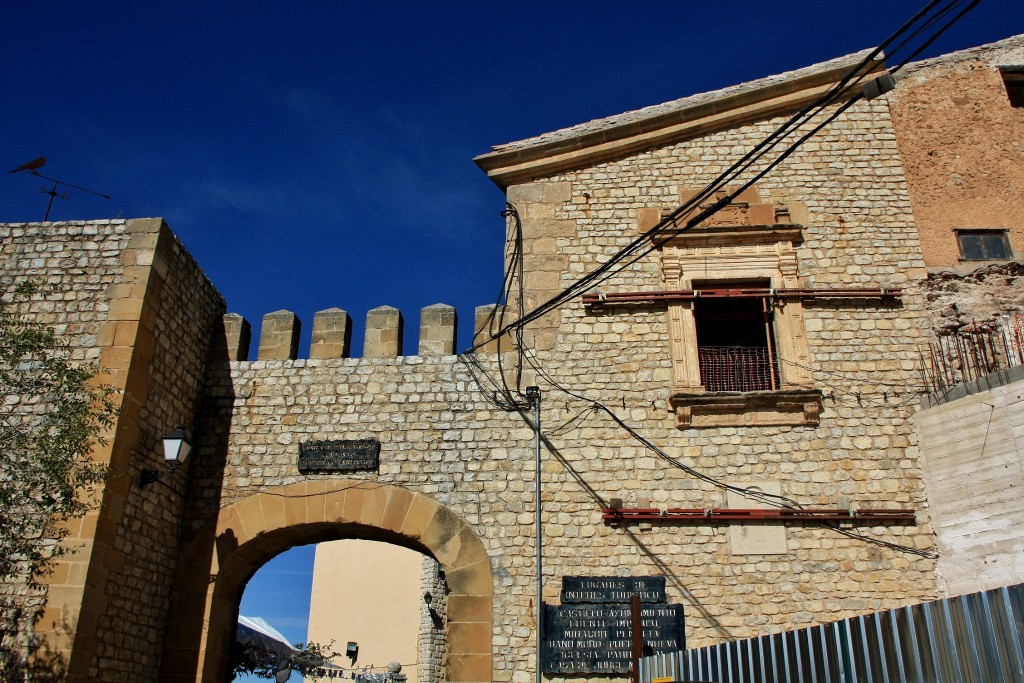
(737, 368)
(735, 344)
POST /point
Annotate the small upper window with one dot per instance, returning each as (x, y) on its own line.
(983, 244)
(1013, 79)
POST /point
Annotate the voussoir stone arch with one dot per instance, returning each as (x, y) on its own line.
(246, 534)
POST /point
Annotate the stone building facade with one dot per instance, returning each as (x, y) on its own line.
(630, 416)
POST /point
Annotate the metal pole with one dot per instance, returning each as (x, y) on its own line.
(533, 395)
(636, 626)
(49, 204)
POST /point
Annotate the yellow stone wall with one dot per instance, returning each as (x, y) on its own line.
(442, 438)
(132, 300)
(456, 476)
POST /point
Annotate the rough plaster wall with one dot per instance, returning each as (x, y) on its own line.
(962, 146)
(82, 259)
(972, 451)
(441, 437)
(368, 592)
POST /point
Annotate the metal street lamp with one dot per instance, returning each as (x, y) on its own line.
(177, 446)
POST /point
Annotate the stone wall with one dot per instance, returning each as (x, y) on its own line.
(859, 231)
(442, 437)
(133, 301)
(456, 476)
(432, 622)
(82, 260)
(959, 139)
(178, 320)
(980, 297)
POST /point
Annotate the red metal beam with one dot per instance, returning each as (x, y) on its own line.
(728, 515)
(647, 298)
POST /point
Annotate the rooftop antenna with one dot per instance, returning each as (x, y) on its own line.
(33, 169)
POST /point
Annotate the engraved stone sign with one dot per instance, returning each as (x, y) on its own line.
(591, 632)
(349, 455)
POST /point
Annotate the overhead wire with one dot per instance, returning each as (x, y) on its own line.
(774, 500)
(666, 229)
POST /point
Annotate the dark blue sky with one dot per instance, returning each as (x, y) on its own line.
(318, 154)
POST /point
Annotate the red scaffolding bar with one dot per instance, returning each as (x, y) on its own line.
(720, 515)
(600, 300)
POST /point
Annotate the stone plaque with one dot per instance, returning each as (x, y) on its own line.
(350, 455)
(756, 538)
(576, 589)
(596, 638)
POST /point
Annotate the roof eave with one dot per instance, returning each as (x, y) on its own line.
(697, 115)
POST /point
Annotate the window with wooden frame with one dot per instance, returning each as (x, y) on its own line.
(983, 245)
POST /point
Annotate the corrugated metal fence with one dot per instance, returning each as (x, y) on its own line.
(974, 638)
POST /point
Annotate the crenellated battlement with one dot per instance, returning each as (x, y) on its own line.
(332, 333)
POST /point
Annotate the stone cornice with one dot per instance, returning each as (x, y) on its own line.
(625, 134)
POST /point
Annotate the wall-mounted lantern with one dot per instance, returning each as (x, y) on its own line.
(176, 449)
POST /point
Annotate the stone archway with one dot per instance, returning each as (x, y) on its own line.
(219, 562)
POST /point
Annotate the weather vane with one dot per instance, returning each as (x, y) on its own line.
(33, 169)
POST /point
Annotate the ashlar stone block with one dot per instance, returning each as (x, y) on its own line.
(384, 327)
(279, 338)
(237, 336)
(487, 321)
(438, 324)
(332, 334)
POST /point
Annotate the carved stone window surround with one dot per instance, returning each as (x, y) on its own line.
(739, 252)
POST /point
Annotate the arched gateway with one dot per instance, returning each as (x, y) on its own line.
(246, 534)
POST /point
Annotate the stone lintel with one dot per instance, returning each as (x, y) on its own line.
(746, 409)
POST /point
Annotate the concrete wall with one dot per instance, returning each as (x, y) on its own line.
(972, 450)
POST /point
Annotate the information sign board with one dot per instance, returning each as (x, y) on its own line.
(352, 455)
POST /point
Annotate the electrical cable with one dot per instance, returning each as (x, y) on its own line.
(768, 498)
(853, 77)
(668, 228)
